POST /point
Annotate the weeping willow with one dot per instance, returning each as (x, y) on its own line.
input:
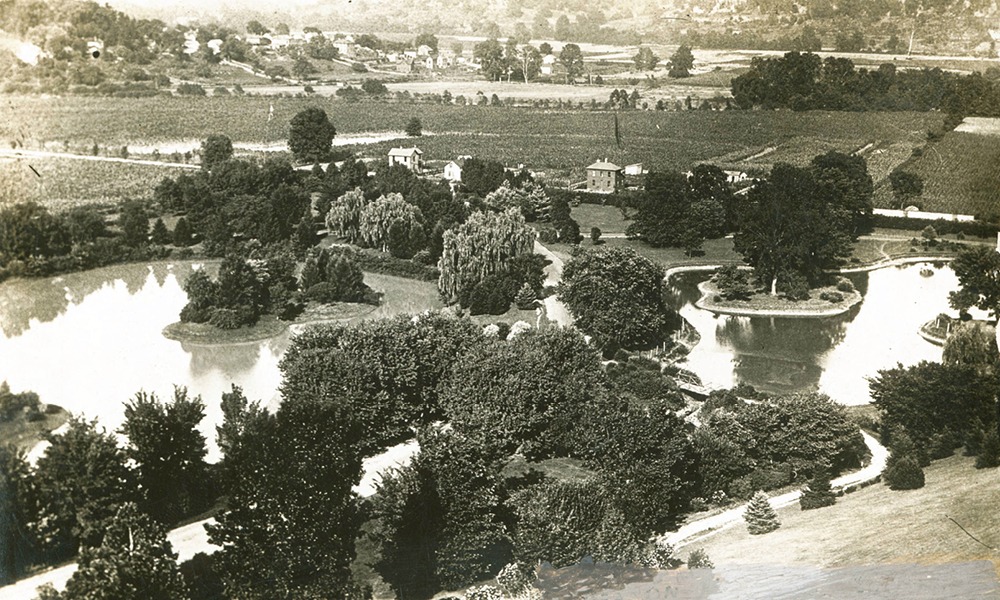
(345, 215)
(377, 217)
(479, 247)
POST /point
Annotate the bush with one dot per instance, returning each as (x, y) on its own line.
(832, 297)
(818, 493)
(192, 314)
(733, 283)
(232, 318)
(903, 473)
(698, 559)
(190, 89)
(989, 457)
(514, 579)
(845, 285)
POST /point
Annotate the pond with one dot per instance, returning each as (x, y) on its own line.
(833, 355)
(89, 341)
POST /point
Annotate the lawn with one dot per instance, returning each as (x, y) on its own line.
(877, 525)
(960, 176)
(607, 218)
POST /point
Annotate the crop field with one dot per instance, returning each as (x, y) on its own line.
(961, 174)
(64, 183)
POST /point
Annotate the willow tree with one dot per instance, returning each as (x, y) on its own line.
(345, 215)
(378, 217)
(479, 247)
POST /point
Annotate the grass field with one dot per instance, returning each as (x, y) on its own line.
(960, 174)
(877, 525)
(63, 183)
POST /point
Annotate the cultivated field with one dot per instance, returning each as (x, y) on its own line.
(960, 175)
(876, 525)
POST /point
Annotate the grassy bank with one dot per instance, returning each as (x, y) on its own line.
(877, 525)
(24, 434)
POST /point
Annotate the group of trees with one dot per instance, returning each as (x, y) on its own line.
(522, 62)
(85, 485)
(806, 81)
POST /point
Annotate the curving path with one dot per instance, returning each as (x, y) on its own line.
(554, 309)
(694, 531)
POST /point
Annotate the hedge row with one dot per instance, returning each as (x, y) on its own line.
(373, 261)
(574, 197)
(941, 226)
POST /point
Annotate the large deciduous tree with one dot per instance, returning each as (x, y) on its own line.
(310, 135)
(289, 527)
(214, 150)
(571, 57)
(134, 561)
(344, 217)
(645, 60)
(978, 271)
(378, 218)
(789, 228)
(906, 186)
(490, 55)
(616, 296)
(169, 453)
(78, 484)
(681, 62)
(479, 248)
(682, 211)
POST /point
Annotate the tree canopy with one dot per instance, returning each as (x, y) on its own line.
(616, 296)
(978, 271)
(310, 135)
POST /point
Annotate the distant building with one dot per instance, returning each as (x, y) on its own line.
(736, 176)
(453, 170)
(635, 169)
(547, 62)
(604, 177)
(408, 157)
(424, 50)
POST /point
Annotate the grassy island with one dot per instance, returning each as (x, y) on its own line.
(826, 301)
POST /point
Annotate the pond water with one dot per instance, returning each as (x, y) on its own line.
(833, 355)
(89, 341)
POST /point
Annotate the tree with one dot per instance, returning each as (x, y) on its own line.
(15, 498)
(78, 484)
(134, 224)
(615, 296)
(818, 493)
(978, 271)
(303, 68)
(681, 62)
(169, 454)
(760, 516)
(788, 230)
(85, 224)
(414, 128)
(972, 344)
(679, 210)
(480, 247)
(426, 39)
(215, 149)
(645, 60)
(133, 562)
(847, 185)
(160, 235)
(490, 55)
(28, 229)
(291, 520)
(305, 233)
(595, 235)
(989, 456)
(572, 58)
(376, 220)
(526, 298)
(903, 473)
(529, 62)
(482, 176)
(905, 186)
(344, 217)
(254, 27)
(310, 135)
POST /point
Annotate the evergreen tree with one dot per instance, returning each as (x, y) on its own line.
(182, 233)
(414, 128)
(903, 473)
(305, 233)
(760, 516)
(818, 493)
(989, 458)
(161, 235)
(526, 298)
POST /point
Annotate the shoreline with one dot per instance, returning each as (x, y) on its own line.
(833, 310)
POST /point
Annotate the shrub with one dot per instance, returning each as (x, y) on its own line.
(903, 473)
(760, 516)
(733, 283)
(190, 89)
(845, 285)
(195, 314)
(832, 297)
(513, 579)
(989, 457)
(526, 298)
(698, 559)
(232, 318)
(794, 287)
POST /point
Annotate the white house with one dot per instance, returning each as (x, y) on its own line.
(547, 61)
(424, 50)
(635, 169)
(736, 176)
(408, 157)
(453, 170)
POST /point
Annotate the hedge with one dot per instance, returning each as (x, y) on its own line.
(374, 261)
(941, 226)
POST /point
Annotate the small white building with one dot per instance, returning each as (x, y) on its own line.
(635, 169)
(408, 157)
(736, 176)
(547, 61)
(453, 170)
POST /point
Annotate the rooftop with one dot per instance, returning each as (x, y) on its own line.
(404, 151)
(604, 166)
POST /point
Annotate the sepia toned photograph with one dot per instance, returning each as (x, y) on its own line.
(499, 299)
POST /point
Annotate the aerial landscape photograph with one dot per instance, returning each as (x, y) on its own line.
(499, 299)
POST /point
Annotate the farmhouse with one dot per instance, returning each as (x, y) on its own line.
(453, 170)
(604, 177)
(408, 157)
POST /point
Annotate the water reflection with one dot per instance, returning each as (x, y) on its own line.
(833, 355)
